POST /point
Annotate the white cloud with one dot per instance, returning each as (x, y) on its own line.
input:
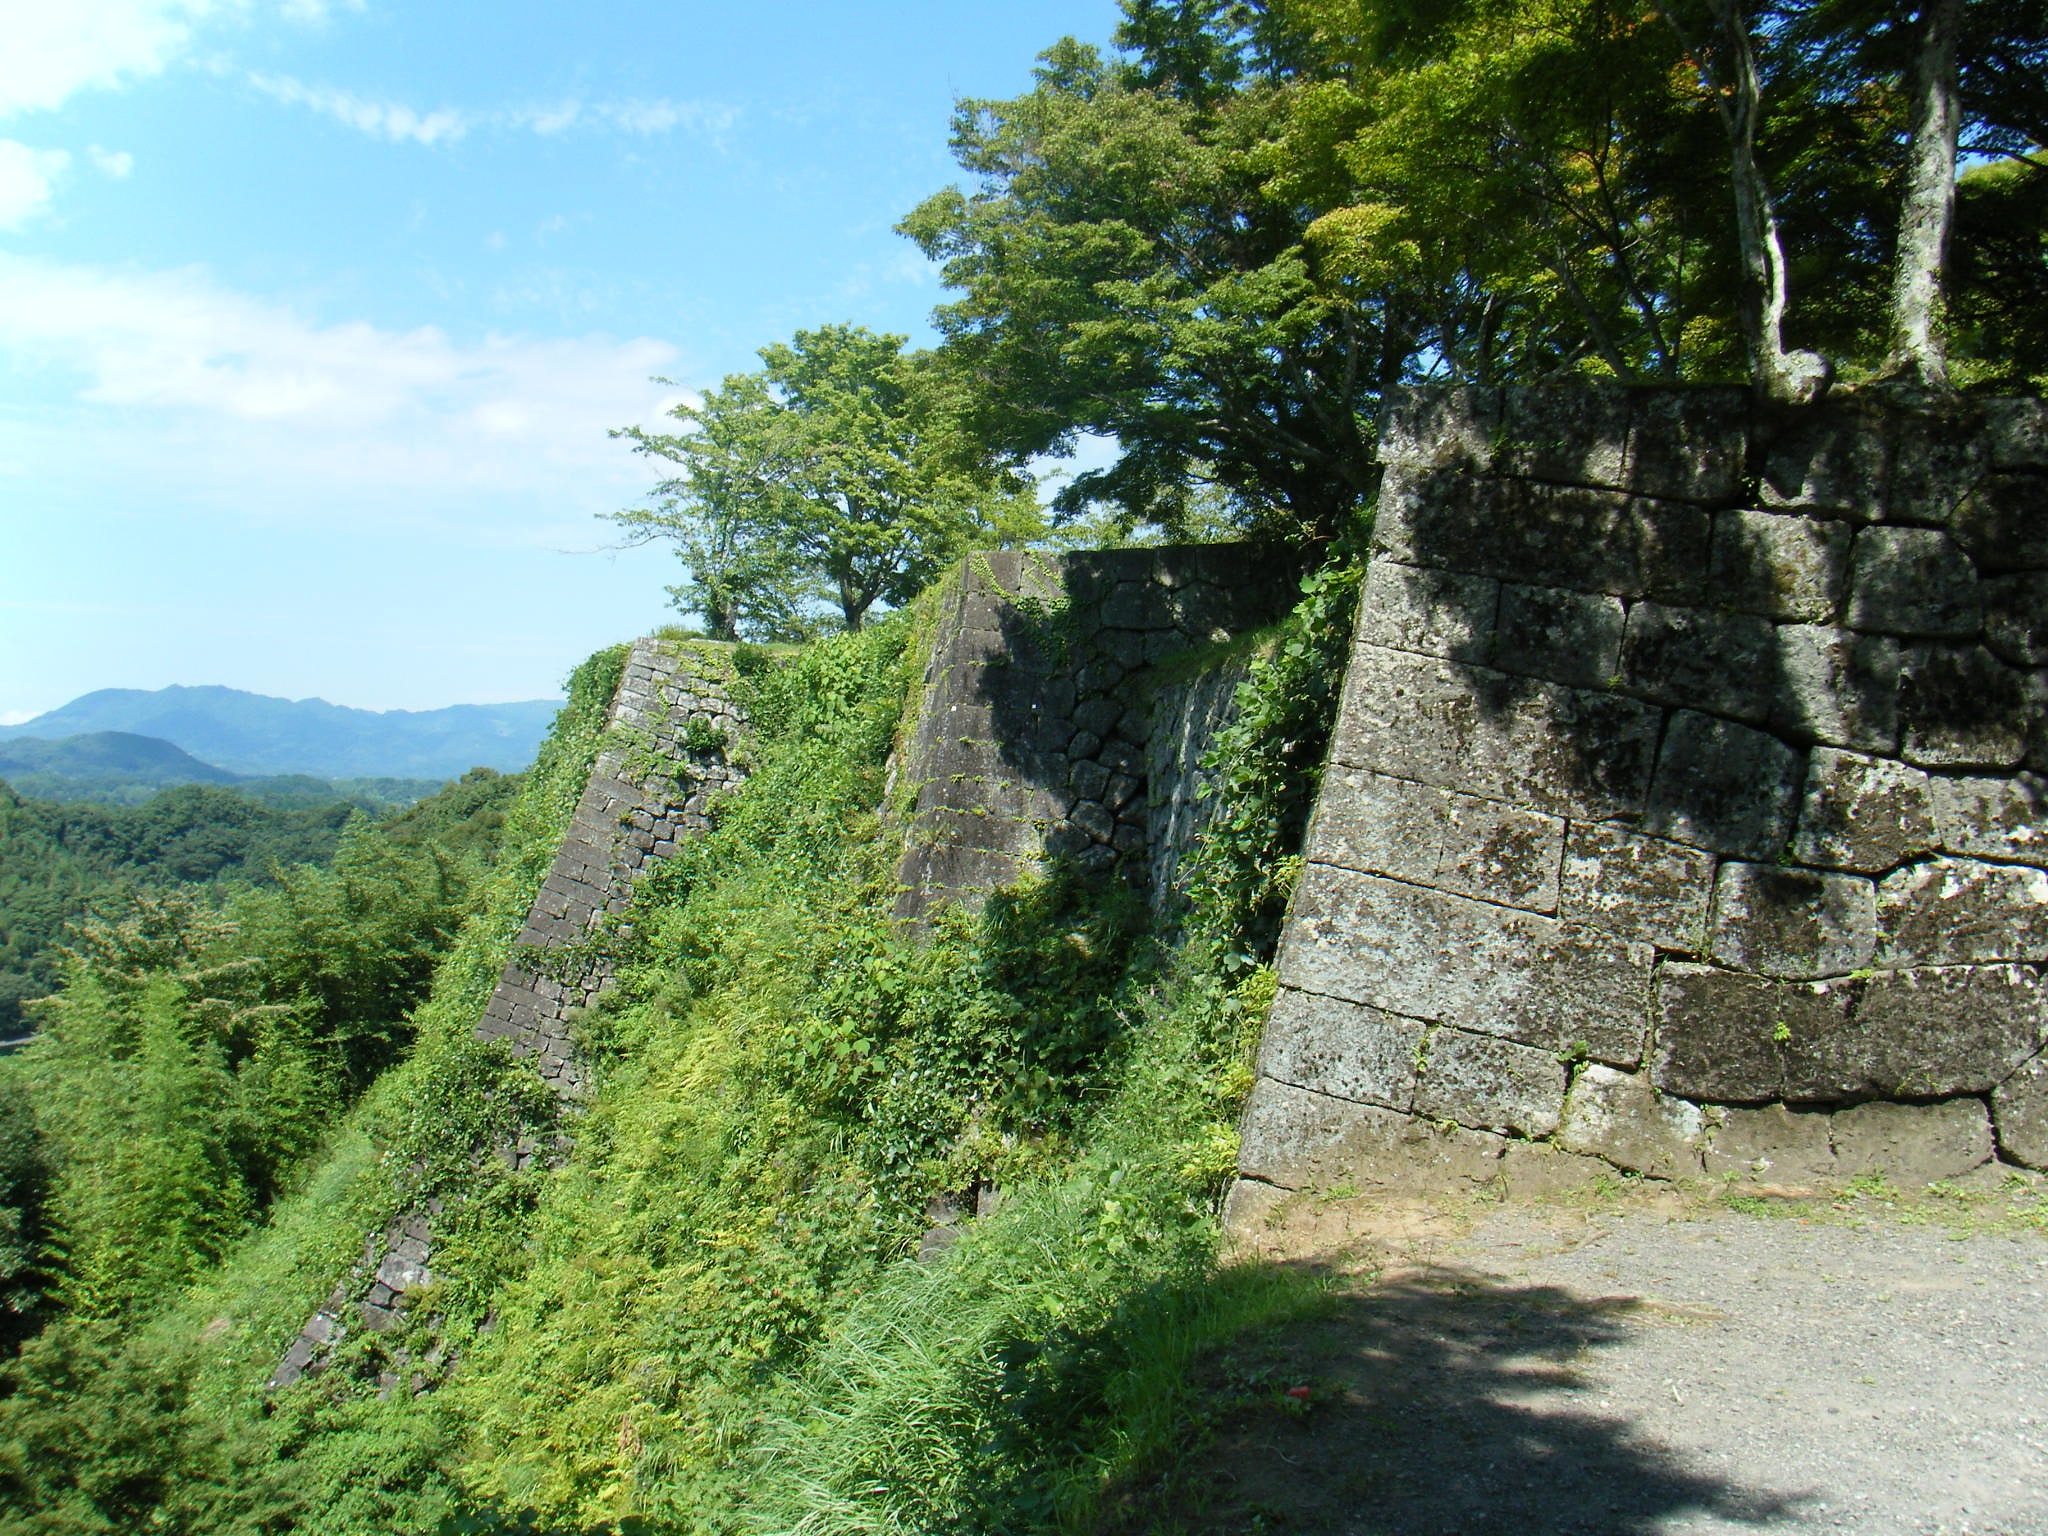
(17, 716)
(25, 178)
(379, 119)
(247, 403)
(116, 163)
(54, 50)
(399, 123)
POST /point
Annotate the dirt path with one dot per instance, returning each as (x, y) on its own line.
(1646, 1366)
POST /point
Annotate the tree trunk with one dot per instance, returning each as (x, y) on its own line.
(1791, 378)
(1927, 204)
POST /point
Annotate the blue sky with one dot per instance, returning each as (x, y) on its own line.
(313, 314)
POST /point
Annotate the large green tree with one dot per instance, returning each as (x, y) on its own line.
(839, 470)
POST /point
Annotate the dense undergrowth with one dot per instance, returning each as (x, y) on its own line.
(708, 1318)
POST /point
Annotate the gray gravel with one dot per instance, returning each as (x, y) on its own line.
(1621, 1372)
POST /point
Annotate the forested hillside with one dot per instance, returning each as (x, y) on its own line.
(697, 1302)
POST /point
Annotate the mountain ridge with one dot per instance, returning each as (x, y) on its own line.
(250, 733)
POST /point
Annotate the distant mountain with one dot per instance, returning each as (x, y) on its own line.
(250, 733)
(116, 755)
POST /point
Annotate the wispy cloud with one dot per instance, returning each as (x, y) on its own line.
(252, 403)
(111, 162)
(26, 176)
(379, 119)
(398, 123)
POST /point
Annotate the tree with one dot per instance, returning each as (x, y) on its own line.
(835, 473)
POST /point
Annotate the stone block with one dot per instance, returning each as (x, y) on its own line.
(2016, 617)
(1785, 1146)
(1448, 959)
(1534, 1170)
(1688, 445)
(1794, 924)
(1723, 1036)
(2019, 1108)
(1300, 1140)
(1569, 637)
(1831, 457)
(1440, 427)
(1914, 582)
(1962, 912)
(1094, 819)
(1697, 657)
(1912, 1144)
(1434, 613)
(1723, 786)
(1546, 535)
(2003, 523)
(1993, 818)
(990, 834)
(1960, 707)
(1490, 1084)
(1565, 434)
(2017, 431)
(1641, 888)
(1837, 687)
(1621, 1117)
(1089, 780)
(1562, 751)
(1780, 565)
(1346, 1050)
(1437, 837)
(1937, 456)
(1864, 813)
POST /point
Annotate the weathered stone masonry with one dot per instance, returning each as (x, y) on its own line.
(1682, 810)
(663, 757)
(1051, 721)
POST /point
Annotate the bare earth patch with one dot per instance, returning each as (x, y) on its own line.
(1647, 1361)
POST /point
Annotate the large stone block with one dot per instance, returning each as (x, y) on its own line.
(1343, 1049)
(1993, 818)
(1641, 888)
(1697, 657)
(1915, 582)
(2018, 433)
(1480, 967)
(1569, 637)
(1937, 456)
(1960, 707)
(1723, 786)
(2003, 523)
(1837, 687)
(1621, 1117)
(1786, 1146)
(1434, 613)
(1726, 1037)
(2019, 1107)
(1962, 912)
(1440, 427)
(1794, 924)
(1489, 1084)
(1565, 434)
(1864, 813)
(1689, 445)
(1558, 750)
(1296, 1139)
(1780, 565)
(1546, 535)
(1912, 1144)
(1832, 457)
(2016, 617)
(1438, 837)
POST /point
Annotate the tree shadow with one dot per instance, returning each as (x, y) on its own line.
(1439, 1402)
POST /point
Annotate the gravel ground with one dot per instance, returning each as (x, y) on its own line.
(1643, 1367)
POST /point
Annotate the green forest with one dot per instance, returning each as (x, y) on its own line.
(1220, 245)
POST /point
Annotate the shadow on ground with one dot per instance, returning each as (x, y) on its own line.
(1440, 1404)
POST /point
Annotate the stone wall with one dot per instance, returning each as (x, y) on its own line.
(1064, 707)
(1682, 810)
(664, 755)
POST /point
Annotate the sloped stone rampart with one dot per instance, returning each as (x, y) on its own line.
(1060, 715)
(663, 758)
(1683, 810)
